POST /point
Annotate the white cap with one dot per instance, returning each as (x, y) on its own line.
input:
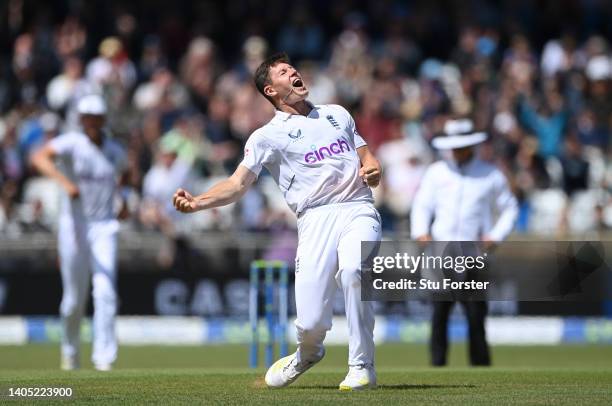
(458, 135)
(92, 104)
(599, 68)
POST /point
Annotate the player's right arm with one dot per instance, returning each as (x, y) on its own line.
(225, 192)
(257, 152)
(43, 161)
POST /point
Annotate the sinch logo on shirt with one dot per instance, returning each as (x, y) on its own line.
(320, 154)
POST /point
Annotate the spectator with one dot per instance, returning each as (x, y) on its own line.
(397, 67)
(405, 161)
(162, 92)
(161, 181)
(575, 167)
(199, 70)
(548, 123)
(112, 66)
(301, 36)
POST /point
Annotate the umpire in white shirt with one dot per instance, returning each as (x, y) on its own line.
(462, 199)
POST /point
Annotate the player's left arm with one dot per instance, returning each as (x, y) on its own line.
(370, 171)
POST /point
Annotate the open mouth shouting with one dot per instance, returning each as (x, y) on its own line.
(298, 84)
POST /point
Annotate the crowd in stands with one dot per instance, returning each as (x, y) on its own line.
(536, 76)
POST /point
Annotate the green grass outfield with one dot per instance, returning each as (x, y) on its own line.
(569, 374)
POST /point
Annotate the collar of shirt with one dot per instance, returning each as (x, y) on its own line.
(284, 116)
(464, 167)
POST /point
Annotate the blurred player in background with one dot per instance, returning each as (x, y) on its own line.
(325, 170)
(462, 195)
(90, 163)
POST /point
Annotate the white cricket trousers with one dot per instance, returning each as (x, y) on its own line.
(329, 257)
(89, 251)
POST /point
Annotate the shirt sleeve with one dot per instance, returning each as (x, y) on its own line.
(506, 206)
(63, 145)
(357, 138)
(352, 129)
(422, 211)
(257, 153)
(121, 159)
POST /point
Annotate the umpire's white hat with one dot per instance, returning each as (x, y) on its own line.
(458, 135)
(92, 104)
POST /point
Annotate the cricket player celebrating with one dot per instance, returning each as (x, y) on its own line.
(90, 163)
(462, 199)
(325, 170)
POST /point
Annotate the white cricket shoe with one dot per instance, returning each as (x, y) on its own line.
(286, 370)
(359, 377)
(69, 363)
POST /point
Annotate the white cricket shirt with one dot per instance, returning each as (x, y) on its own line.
(94, 170)
(463, 202)
(313, 159)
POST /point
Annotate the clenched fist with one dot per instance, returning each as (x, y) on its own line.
(184, 202)
(370, 175)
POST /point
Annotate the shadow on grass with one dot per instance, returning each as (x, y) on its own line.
(392, 387)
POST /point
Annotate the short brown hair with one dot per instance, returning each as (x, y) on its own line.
(262, 73)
